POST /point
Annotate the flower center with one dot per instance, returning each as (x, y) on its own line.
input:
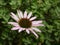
(25, 23)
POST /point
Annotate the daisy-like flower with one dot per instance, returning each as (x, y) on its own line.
(25, 22)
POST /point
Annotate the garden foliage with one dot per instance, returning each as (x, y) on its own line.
(46, 10)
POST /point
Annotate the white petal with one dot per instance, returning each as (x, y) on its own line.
(37, 25)
(23, 28)
(15, 28)
(14, 17)
(25, 14)
(27, 30)
(20, 14)
(36, 29)
(36, 22)
(20, 30)
(33, 18)
(30, 14)
(34, 33)
(13, 23)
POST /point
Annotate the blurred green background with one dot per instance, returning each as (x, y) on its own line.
(46, 10)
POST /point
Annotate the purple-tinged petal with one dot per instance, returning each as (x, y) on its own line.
(37, 25)
(29, 15)
(14, 17)
(27, 30)
(20, 30)
(33, 18)
(25, 14)
(36, 29)
(19, 15)
(15, 28)
(34, 33)
(13, 23)
(36, 22)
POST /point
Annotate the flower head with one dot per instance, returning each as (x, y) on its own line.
(25, 22)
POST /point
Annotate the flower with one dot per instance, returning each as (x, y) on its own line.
(25, 22)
